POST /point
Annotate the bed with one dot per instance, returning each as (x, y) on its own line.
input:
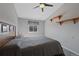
(32, 46)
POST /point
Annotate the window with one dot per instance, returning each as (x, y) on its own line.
(35, 28)
(32, 25)
(32, 28)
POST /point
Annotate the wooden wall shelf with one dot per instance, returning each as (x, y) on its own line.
(59, 17)
(74, 20)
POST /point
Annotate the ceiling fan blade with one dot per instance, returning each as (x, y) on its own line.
(36, 7)
(42, 9)
(48, 5)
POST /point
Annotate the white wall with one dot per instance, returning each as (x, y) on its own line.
(8, 13)
(24, 30)
(68, 33)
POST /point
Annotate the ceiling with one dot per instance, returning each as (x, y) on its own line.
(27, 11)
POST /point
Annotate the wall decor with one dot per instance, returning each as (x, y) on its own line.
(0, 28)
(11, 28)
(4, 27)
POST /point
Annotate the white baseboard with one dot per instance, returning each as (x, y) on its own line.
(71, 51)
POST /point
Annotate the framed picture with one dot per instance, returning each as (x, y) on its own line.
(0, 27)
(7, 28)
(11, 28)
(4, 28)
(14, 28)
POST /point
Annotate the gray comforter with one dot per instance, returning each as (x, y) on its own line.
(33, 46)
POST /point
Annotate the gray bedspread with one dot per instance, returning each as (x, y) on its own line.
(36, 46)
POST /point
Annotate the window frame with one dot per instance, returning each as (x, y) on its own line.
(34, 28)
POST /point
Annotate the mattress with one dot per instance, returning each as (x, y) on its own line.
(37, 46)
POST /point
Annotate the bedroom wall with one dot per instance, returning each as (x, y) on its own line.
(68, 33)
(24, 30)
(8, 14)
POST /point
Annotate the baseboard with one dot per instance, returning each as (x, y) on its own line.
(76, 54)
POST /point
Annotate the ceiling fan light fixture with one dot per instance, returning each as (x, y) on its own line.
(42, 6)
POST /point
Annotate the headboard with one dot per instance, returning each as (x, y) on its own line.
(7, 33)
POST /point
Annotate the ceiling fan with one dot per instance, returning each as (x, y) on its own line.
(43, 5)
